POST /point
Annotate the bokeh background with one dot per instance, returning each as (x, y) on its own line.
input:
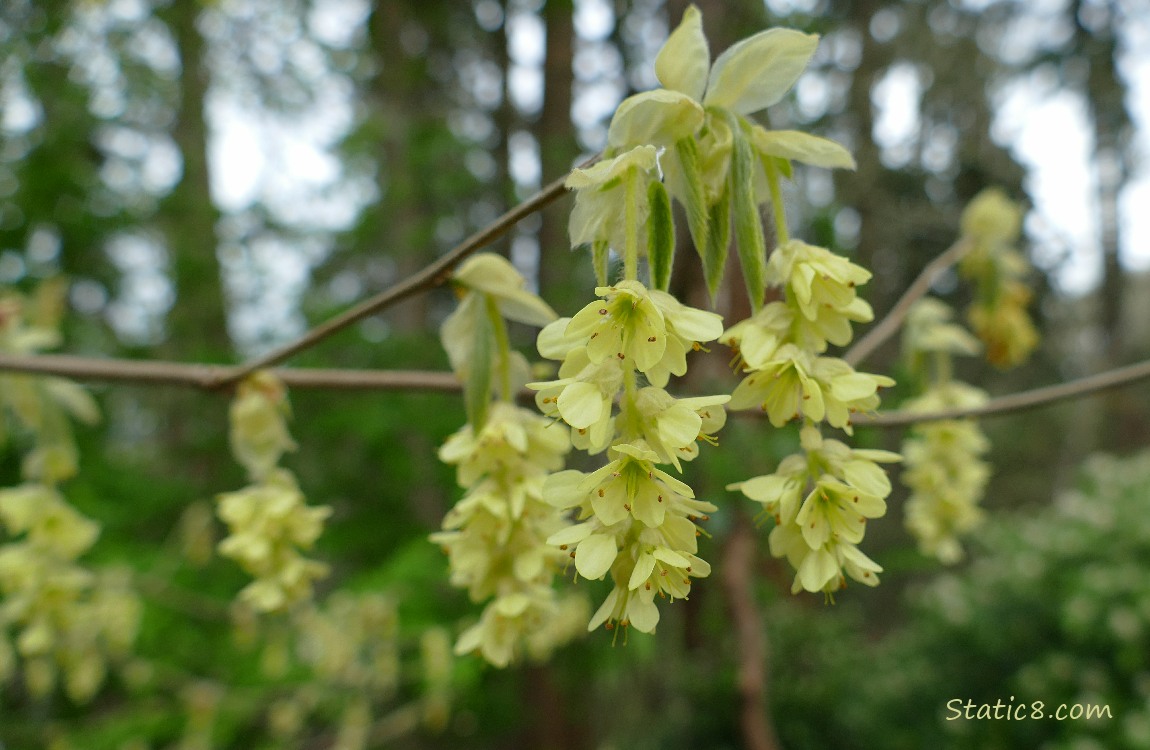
(214, 176)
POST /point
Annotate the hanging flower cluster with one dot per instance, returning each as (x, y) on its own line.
(820, 501)
(495, 536)
(269, 521)
(991, 224)
(637, 522)
(693, 141)
(67, 623)
(722, 166)
(944, 469)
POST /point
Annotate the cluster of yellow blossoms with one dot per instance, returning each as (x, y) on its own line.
(637, 522)
(269, 521)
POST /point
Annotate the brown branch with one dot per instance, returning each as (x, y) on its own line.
(890, 324)
(431, 276)
(1018, 401)
(750, 641)
(208, 377)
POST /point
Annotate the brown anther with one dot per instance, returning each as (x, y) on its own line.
(648, 586)
(572, 554)
(602, 311)
(660, 498)
(621, 355)
(663, 572)
(652, 339)
(687, 581)
(866, 574)
(601, 492)
(562, 546)
(696, 345)
(610, 626)
(806, 396)
(627, 506)
(855, 498)
(688, 568)
(582, 430)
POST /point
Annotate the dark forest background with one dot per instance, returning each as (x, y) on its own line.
(425, 121)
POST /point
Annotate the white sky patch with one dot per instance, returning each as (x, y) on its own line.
(337, 22)
(236, 155)
(1048, 132)
(897, 96)
(594, 19)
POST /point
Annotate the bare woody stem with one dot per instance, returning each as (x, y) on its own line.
(1020, 401)
(208, 377)
(431, 276)
(890, 324)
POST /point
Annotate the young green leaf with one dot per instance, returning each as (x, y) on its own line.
(660, 236)
(718, 242)
(693, 195)
(748, 222)
(477, 389)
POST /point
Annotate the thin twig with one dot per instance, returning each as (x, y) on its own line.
(890, 324)
(431, 276)
(1017, 401)
(207, 377)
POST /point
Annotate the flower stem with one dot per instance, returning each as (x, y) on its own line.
(782, 236)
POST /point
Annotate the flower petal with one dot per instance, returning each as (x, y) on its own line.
(580, 404)
(642, 613)
(595, 555)
(799, 146)
(658, 117)
(755, 73)
(683, 63)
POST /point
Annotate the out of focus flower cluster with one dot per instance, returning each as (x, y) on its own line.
(269, 521)
(944, 468)
(67, 623)
(998, 315)
(61, 623)
(495, 536)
